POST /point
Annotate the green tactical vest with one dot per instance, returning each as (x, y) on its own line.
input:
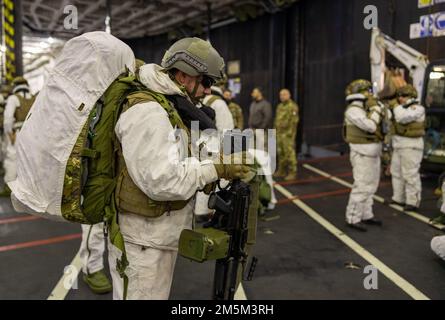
(129, 198)
(22, 112)
(353, 134)
(410, 130)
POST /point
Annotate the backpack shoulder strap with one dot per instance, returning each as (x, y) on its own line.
(212, 99)
(147, 95)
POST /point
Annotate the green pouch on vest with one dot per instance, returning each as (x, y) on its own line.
(203, 244)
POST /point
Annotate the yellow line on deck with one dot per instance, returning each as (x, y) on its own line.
(240, 294)
(69, 278)
(384, 269)
(412, 214)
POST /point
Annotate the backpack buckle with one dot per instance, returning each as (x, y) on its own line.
(105, 229)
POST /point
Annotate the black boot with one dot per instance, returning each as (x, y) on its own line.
(410, 208)
(397, 203)
(373, 221)
(357, 226)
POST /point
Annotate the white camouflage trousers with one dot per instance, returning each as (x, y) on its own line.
(406, 183)
(366, 173)
(92, 248)
(150, 272)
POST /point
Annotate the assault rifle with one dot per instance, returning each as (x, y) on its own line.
(231, 207)
(225, 237)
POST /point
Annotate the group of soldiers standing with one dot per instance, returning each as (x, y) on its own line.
(367, 123)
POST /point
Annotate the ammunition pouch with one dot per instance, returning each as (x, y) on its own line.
(204, 244)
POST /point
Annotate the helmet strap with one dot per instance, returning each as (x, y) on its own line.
(195, 89)
(192, 95)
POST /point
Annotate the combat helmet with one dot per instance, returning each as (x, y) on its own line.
(407, 91)
(358, 86)
(194, 57)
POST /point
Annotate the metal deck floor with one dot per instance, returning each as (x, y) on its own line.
(298, 257)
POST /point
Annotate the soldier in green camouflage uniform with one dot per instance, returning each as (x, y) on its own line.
(235, 110)
(286, 122)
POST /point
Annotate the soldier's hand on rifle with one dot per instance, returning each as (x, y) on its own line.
(235, 166)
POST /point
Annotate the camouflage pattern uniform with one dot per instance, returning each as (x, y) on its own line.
(237, 115)
(286, 122)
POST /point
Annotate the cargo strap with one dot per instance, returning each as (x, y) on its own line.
(117, 239)
(90, 153)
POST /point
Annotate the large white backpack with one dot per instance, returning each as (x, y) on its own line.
(86, 67)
